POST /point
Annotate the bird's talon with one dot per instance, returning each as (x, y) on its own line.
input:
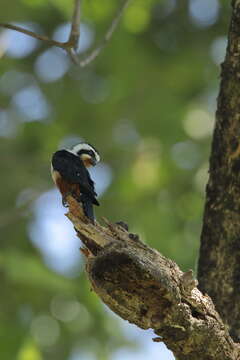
(64, 203)
(64, 199)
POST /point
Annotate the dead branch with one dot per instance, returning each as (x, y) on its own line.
(149, 290)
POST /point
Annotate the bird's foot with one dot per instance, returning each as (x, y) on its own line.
(64, 199)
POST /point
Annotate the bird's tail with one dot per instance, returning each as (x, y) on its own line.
(87, 207)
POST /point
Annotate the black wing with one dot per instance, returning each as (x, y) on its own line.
(73, 170)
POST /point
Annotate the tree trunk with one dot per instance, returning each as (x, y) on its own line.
(219, 262)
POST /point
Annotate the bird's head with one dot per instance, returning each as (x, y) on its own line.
(87, 153)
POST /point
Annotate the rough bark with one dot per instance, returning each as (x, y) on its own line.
(219, 262)
(149, 290)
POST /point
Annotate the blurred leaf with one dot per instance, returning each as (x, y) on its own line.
(29, 351)
(28, 270)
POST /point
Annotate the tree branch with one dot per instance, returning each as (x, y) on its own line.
(96, 51)
(149, 290)
(219, 262)
(71, 45)
(75, 28)
(34, 35)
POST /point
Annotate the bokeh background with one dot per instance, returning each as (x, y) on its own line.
(147, 103)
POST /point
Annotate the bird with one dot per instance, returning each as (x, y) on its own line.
(69, 170)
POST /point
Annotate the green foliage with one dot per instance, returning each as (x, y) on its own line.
(28, 270)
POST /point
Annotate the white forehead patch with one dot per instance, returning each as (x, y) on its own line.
(84, 146)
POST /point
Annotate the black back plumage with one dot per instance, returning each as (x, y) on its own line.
(72, 169)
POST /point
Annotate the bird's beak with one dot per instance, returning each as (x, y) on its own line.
(93, 161)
